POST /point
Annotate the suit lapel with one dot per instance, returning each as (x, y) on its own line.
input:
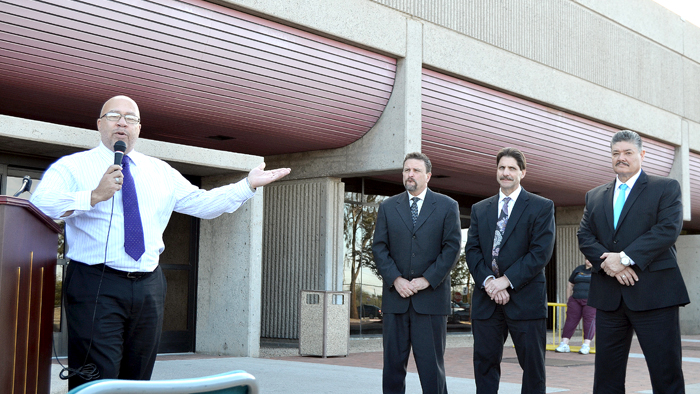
(426, 210)
(404, 210)
(638, 188)
(518, 208)
(608, 207)
(491, 219)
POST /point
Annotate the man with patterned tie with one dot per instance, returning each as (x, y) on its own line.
(416, 243)
(510, 240)
(628, 232)
(114, 290)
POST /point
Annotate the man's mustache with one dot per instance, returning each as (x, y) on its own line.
(506, 178)
(622, 162)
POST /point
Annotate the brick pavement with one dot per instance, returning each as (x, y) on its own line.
(571, 371)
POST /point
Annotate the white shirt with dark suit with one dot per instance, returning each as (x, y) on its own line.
(428, 249)
(649, 224)
(525, 250)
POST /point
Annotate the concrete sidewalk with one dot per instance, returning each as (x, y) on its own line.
(281, 370)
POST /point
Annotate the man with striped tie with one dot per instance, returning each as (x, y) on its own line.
(628, 232)
(416, 244)
(510, 240)
(115, 215)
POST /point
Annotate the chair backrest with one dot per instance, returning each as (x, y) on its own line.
(234, 382)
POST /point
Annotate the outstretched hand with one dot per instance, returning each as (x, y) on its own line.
(259, 177)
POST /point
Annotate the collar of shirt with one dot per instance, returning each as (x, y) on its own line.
(108, 154)
(630, 184)
(419, 202)
(513, 197)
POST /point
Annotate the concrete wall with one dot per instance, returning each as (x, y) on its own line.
(688, 247)
(229, 278)
(568, 255)
(302, 249)
(624, 62)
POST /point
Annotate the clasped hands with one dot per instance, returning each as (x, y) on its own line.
(497, 289)
(612, 266)
(407, 288)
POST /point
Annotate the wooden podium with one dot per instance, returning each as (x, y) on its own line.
(28, 244)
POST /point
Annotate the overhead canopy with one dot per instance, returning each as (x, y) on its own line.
(202, 74)
(465, 125)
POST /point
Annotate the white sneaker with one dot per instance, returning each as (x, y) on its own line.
(585, 349)
(563, 348)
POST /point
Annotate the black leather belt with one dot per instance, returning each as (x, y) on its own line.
(122, 274)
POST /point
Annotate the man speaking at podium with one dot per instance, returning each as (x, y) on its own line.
(115, 216)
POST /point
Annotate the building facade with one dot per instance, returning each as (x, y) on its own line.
(340, 91)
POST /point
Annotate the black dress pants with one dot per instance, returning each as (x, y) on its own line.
(659, 335)
(427, 335)
(529, 338)
(119, 330)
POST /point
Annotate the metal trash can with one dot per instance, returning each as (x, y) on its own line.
(324, 323)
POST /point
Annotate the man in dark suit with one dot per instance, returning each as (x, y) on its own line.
(628, 231)
(416, 244)
(510, 240)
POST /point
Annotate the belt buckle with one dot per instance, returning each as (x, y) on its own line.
(132, 275)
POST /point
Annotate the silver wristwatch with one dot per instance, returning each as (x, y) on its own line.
(624, 259)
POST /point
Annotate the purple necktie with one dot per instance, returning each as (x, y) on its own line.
(133, 229)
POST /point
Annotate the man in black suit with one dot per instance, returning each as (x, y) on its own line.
(628, 231)
(416, 244)
(510, 240)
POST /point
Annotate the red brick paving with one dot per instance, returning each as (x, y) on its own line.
(576, 378)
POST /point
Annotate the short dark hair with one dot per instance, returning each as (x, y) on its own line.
(627, 136)
(420, 156)
(514, 153)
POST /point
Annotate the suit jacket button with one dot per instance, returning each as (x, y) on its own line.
(413, 255)
(615, 241)
(414, 237)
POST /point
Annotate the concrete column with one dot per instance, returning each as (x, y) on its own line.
(302, 248)
(681, 168)
(228, 287)
(568, 255)
(688, 247)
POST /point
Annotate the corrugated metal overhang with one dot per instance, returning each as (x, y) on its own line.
(202, 74)
(694, 191)
(465, 125)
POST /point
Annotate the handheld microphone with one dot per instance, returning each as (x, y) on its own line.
(26, 185)
(119, 149)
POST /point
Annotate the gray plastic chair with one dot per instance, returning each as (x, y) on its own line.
(234, 382)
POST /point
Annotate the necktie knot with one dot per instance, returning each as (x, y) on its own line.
(623, 187)
(505, 204)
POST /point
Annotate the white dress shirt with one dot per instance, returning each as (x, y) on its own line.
(630, 184)
(513, 197)
(67, 186)
(419, 203)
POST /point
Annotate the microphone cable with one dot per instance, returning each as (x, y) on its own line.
(88, 371)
